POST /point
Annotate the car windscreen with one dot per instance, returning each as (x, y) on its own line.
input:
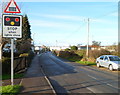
(115, 58)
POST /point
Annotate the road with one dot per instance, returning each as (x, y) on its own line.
(70, 77)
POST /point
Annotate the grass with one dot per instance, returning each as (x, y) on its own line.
(10, 90)
(7, 76)
(76, 59)
(86, 63)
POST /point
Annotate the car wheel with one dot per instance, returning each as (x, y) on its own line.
(98, 64)
(110, 67)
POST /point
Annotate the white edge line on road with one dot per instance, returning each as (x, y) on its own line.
(48, 80)
(50, 85)
(21, 81)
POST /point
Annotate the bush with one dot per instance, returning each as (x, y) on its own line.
(23, 55)
(67, 49)
(81, 53)
(96, 53)
(10, 90)
(69, 55)
(54, 52)
(74, 48)
(93, 54)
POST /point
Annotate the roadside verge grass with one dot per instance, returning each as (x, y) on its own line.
(77, 60)
(10, 90)
(7, 76)
(86, 63)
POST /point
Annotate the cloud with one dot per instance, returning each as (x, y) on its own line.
(76, 19)
(65, 17)
(62, 17)
(114, 14)
(100, 20)
(53, 24)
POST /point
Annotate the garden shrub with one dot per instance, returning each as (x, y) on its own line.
(81, 53)
(96, 53)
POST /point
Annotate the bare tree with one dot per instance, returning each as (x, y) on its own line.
(96, 43)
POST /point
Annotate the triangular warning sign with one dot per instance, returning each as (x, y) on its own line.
(12, 7)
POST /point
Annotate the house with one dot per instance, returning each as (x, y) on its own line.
(58, 47)
(84, 47)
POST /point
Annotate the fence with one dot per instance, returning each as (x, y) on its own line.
(20, 63)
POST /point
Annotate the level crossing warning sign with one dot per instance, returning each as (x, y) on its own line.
(12, 7)
(12, 26)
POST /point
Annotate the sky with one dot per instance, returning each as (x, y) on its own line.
(65, 23)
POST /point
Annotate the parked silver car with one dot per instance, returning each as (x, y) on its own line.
(109, 61)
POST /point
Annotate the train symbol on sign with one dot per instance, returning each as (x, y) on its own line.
(13, 9)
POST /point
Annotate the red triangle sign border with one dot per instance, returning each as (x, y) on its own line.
(12, 11)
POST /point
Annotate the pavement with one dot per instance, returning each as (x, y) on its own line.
(8, 82)
(35, 80)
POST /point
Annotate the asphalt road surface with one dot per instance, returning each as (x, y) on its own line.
(70, 77)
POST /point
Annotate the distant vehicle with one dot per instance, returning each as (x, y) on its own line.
(109, 61)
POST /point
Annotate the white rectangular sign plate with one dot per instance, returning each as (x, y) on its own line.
(12, 26)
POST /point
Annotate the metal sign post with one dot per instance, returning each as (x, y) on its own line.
(12, 59)
(12, 28)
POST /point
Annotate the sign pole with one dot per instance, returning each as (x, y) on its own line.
(12, 59)
(12, 28)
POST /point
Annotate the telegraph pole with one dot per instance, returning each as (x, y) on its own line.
(56, 43)
(87, 52)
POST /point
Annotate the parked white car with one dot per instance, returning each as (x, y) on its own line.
(109, 61)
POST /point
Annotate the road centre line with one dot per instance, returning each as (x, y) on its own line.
(92, 77)
(104, 82)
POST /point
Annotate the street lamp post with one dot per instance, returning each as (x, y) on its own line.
(87, 52)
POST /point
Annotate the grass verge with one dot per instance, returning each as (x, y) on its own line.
(7, 76)
(77, 60)
(86, 63)
(10, 90)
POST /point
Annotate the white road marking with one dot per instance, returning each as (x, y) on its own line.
(112, 86)
(104, 82)
(92, 77)
(48, 82)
